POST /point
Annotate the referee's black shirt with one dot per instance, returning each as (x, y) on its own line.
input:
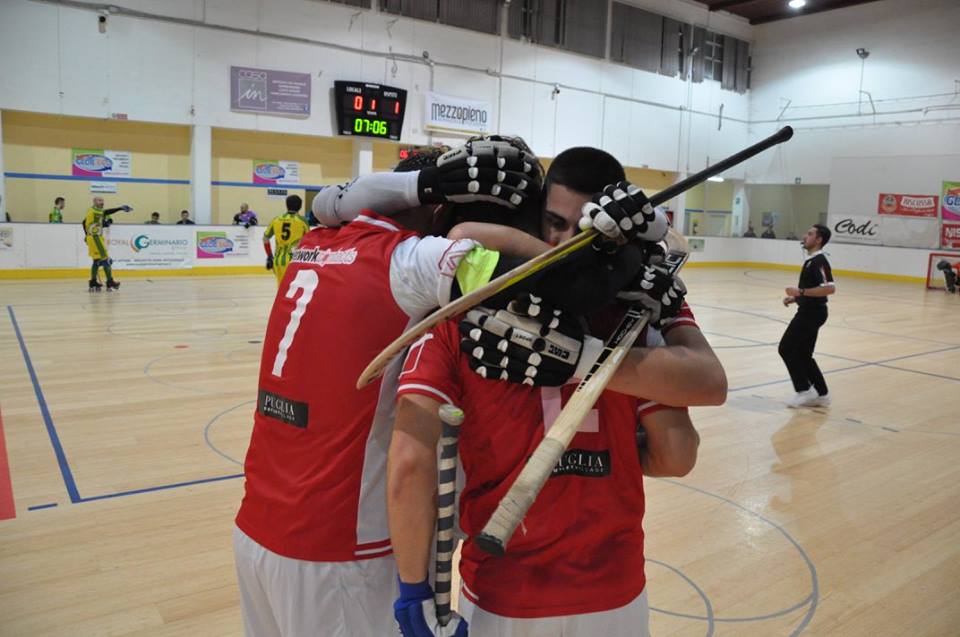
(815, 273)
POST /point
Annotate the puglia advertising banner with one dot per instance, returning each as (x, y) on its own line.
(223, 244)
(98, 163)
(908, 205)
(133, 247)
(950, 201)
(272, 172)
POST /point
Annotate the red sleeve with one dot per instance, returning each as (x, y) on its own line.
(432, 366)
(683, 318)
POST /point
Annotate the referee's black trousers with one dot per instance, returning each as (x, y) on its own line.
(797, 345)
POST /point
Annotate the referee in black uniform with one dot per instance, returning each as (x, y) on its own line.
(798, 342)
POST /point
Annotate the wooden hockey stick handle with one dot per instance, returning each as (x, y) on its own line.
(451, 417)
(458, 306)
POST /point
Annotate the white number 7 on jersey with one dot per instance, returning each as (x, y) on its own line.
(306, 280)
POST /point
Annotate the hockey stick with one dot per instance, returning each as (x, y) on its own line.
(524, 490)
(467, 301)
(451, 416)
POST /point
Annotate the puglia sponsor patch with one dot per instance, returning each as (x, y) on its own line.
(283, 409)
(583, 462)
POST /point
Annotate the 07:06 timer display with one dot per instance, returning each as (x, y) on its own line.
(369, 110)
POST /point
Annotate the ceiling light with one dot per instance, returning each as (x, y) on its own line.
(797, 4)
(715, 178)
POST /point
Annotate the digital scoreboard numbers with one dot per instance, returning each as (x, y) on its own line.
(369, 110)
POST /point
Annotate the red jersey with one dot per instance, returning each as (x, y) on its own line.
(580, 547)
(316, 465)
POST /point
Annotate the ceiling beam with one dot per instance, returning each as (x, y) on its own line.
(726, 4)
(808, 10)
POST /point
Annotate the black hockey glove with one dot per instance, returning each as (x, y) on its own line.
(529, 343)
(657, 290)
(270, 262)
(622, 213)
(490, 169)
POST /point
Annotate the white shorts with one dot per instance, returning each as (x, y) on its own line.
(632, 620)
(283, 597)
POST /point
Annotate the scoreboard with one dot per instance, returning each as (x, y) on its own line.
(369, 110)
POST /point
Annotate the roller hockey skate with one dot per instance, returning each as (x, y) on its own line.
(95, 286)
(112, 285)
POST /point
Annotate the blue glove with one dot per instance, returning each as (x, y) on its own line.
(416, 614)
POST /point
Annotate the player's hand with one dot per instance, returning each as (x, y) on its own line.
(270, 262)
(416, 614)
(485, 169)
(787, 300)
(621, 213)
(529, 343)
(658, 291)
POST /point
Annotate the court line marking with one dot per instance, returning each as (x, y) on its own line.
(708, 606)
(814, 597)
(8, 510)
(65, 472)
(210, 423)
(37, 507)
(162, 487)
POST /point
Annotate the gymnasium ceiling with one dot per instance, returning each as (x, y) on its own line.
(761, 11)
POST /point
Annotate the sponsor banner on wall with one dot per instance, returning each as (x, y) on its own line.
(855, 229)
(96, 162)
(908, 205)
(108, 187)
(276, 173)
(6, 238)
(950, 236)
(133, 247)
(269, 92)
(277, 193)
(455, 113)
(950, 201)
(223, 244)
(910, 232)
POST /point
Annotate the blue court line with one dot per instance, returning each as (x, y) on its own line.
(37, 507)
(68, 480)
(162, 487)
(128, 180)
(248, 184)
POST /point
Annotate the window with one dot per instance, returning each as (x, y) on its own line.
(636, 37)
(574, 25)
(476, 15)
(713, 56)
(363, 4)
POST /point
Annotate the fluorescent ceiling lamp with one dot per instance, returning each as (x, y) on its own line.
(715, 178)
(797, 4)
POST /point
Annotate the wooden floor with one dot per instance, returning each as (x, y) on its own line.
(126, 417)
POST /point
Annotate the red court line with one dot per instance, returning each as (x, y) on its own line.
(7, 509)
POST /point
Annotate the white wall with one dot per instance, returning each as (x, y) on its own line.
(811, 61)
(870, 260)
(173, 67)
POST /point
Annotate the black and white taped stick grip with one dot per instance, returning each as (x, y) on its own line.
(523, 492)
(451, 416)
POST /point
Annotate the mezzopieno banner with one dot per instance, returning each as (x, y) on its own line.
(455, 113)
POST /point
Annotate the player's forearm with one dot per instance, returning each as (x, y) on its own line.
(411, 489)
(384, 193)
(501, 238)
(676, 375)
(671, 448)
(823, 290)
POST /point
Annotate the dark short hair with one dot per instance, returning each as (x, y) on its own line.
(294, 203)
(823, 232)
(154, 214)
(185, 212)
(58, 200)
(585, 170)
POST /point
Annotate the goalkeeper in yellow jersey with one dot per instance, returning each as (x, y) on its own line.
(286, 230)
(94, 223)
